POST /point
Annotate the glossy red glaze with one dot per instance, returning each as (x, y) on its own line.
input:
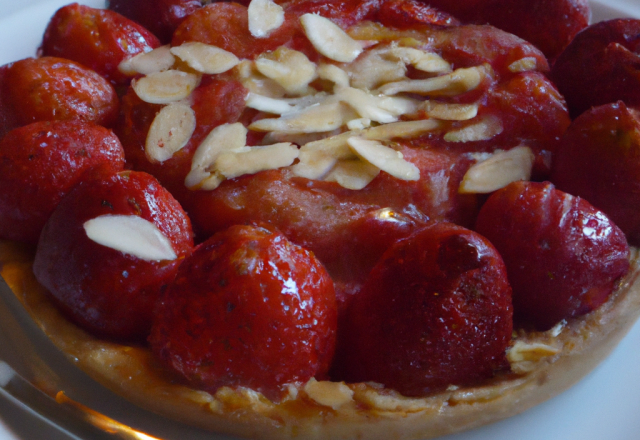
(96, 38)
(161, 17)
(601, 66)
(407, 14)
(563, 256)
(51, 88)
(105, 291)
(549, 24)
(40, 163)
(599, 160)
(436, 311)
(248, 308)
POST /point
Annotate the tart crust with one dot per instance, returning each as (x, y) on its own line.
(320, 410)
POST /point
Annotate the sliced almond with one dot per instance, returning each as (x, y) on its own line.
(365, 104)
(145, 63)
(359, 124)
(329, 39)
(254, 159)
(268, 105)
(353, 174)
(450, 112)
(331, 394)
(455, 83)
(403, 129)
(315, 166)
(321, 117)
(421, 60)
(333, 73)
(222, 138)
(130, 235)
(525, 64)
(374, 68)
(483, 130)
(205, 58)
(165, 87)
(523, 356)
(498, 171)
(385, 158)
(264, 17)
(170, 131)
(289, 68)
(255, 82)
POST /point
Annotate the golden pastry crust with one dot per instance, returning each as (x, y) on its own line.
(544, 365)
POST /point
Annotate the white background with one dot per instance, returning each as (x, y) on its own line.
(605, 405)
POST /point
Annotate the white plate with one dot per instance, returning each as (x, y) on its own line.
(605, 405)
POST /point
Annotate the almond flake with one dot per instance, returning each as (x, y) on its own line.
(329, 39)
(525, 64)
(450, 112)
(165, 87)
(498, 171)
(333, 73)
(523, 356)
(373, 69)
(365, 104)
(222, 138)
(319, 157)
(145, 63)
(170, 131)
(264, 17)
(455, 83)
(205, 58)
(331, 394)
(353, 174)
(289, 68)
(485, 129)
(403, 129)
(254, 159)
(268, 105)
(359, 124)
(130, 235)
(385, 158)
(421, 60)
(255, 82)
(321, 117)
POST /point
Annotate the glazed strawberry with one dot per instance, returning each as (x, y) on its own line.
(97, 38)
(248, 308)
(161, 17)
(51, 88)
(563, 256)
(109, 249)
(436, 311)
(599, 160)
(601, 66)
(40, 163)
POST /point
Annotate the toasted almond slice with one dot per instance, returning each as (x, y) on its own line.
(130, 235)
(329, 39)
(145, 63)
(264, 17)
(483, 130)
(315, 166)
(321, 117)
(333, 73)
(498, 171)
(353, 174)
(421, 60)
(165, 87)
(525, 64)
(331, 394)
(523, 356)
(385, 158)
(254, 159)
(403, 129)
(274, 137)
(455, 83)
(398, 105)
(450, 112)
(374, 68)
(359, 124)
(222, 138)
(170, 131)
(289, 68)
(365, 104)
(205, 58)
(268, 105)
